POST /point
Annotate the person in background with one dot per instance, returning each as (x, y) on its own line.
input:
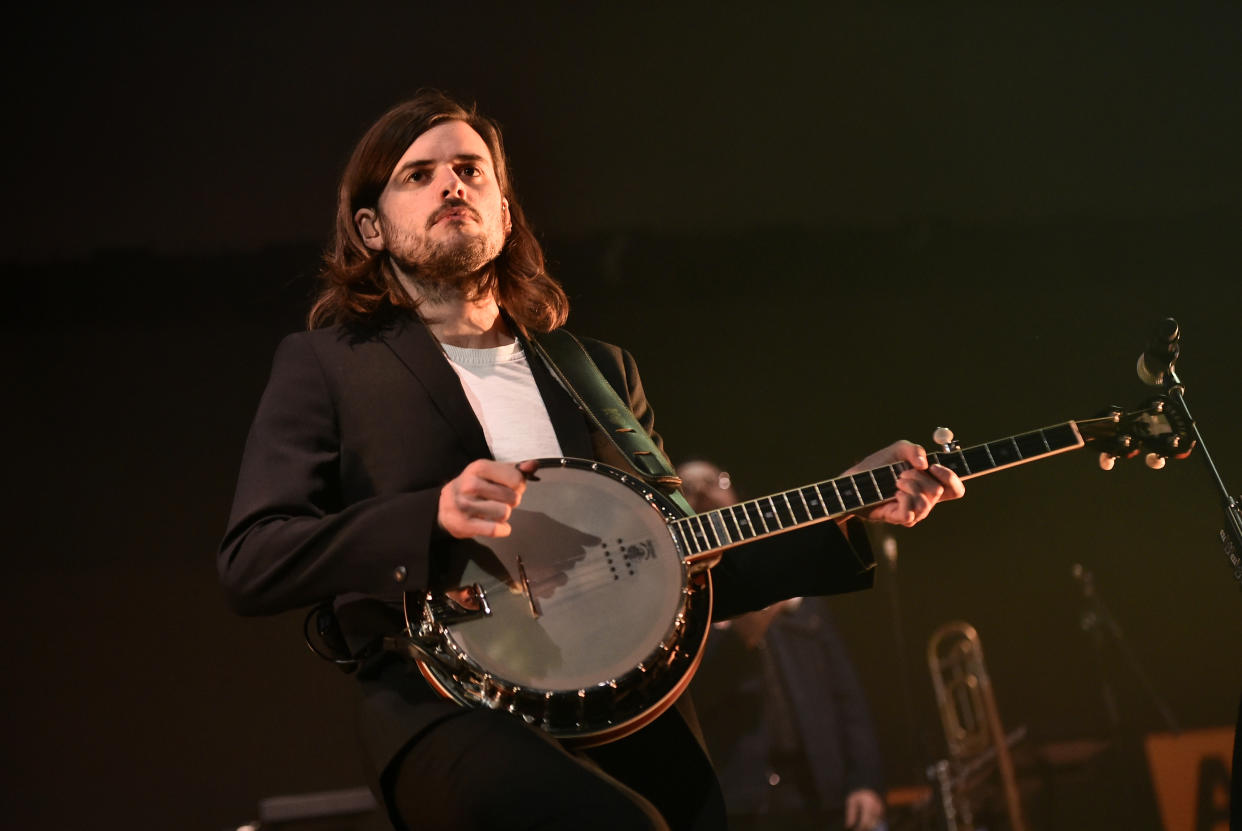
(781, 707)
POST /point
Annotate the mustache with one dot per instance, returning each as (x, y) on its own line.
(451, 205)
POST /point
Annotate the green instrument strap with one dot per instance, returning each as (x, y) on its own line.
(573, 367)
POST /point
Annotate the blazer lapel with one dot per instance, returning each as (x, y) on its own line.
(415, 347)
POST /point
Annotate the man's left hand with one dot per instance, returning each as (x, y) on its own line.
(918, 489)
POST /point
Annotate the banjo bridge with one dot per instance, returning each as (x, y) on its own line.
(530, 596)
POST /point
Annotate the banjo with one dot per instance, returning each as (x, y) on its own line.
(589, 620)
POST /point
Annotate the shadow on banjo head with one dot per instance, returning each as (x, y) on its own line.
(548, 548)
(526, 580)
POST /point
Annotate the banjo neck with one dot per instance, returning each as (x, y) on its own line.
(703, 536)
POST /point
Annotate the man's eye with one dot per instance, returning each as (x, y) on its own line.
(417, 176)
(470, 170)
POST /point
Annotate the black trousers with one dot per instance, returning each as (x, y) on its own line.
(487, 770)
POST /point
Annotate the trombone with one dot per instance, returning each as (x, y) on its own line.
(972, 728)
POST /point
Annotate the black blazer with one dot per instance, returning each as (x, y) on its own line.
(337, 497)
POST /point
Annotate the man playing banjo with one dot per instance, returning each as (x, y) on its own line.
(400, 431)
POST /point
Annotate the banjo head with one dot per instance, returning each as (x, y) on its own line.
(593, 621)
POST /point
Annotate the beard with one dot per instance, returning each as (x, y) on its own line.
(445, 271)
(452, 266)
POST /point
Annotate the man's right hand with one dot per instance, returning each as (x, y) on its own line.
(478, 502)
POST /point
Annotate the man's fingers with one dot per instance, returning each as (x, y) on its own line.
(481, 490)
(920, 492)
(488, 509)
(498, 481)
(488, 528)
(476, 519)
(479, 501)
(919, 488)
(898, 451)
(919, 484)
(954, 488)
(894, 513)
(475, 527)
(917, 494)
(502, 473)
(912, 453)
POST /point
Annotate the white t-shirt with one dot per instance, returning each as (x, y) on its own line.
(502, 391)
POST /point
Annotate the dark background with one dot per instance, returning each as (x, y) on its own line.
(818, 228)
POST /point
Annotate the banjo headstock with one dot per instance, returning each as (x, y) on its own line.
(1156, 429)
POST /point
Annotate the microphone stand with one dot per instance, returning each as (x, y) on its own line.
(1231, 542)
(1231, 534)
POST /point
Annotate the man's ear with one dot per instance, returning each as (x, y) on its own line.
(504, 213)
(368, 226)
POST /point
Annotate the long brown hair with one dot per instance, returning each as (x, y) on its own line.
(356, 283)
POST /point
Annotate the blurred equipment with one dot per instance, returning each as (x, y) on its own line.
(978, 746)
(888, 546)
(348, 809)
(1103, 630)
(1191, 772)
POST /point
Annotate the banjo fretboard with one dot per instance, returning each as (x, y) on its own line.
(705, 534)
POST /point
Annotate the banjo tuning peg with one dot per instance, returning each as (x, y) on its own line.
(943, 437)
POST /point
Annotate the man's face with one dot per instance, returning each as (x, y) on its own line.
(441, 216)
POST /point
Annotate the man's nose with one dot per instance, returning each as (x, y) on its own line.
(452, 186)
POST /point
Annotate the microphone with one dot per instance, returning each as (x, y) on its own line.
(1162, 350)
